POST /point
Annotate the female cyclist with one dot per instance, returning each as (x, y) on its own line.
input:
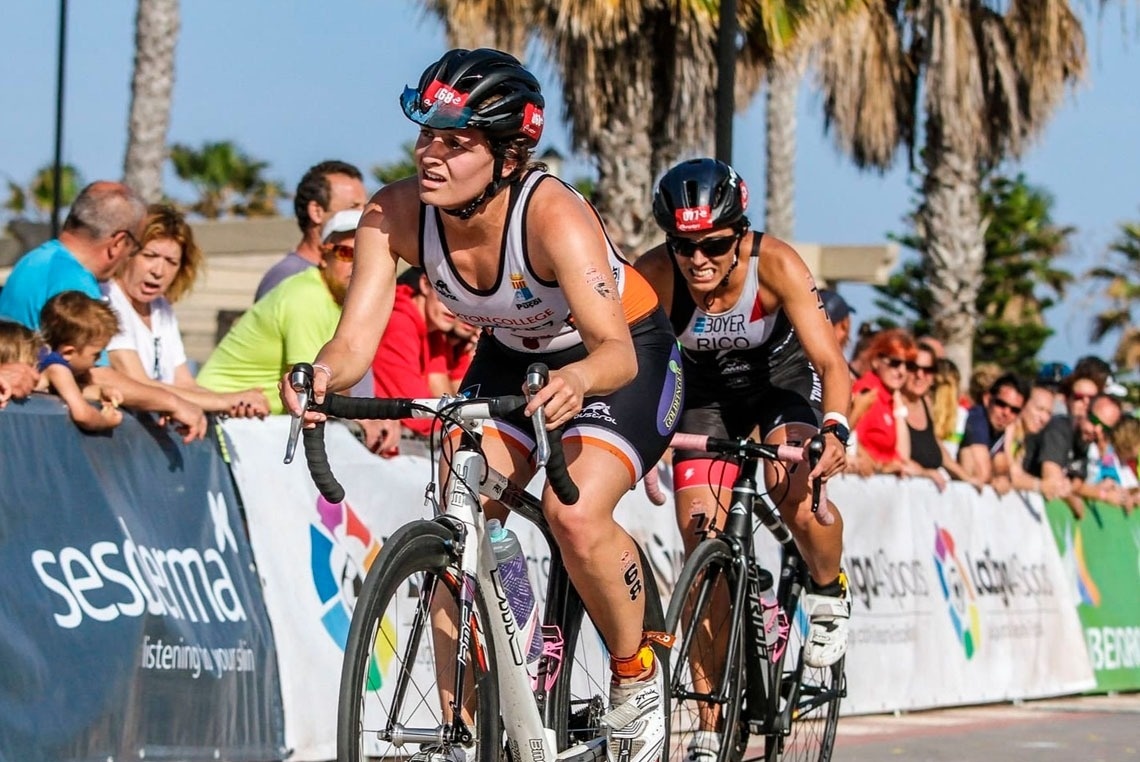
(521, 254)
(758, 352)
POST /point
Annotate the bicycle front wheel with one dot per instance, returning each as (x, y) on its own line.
(814, 694)
(707, 683)
(401, 659)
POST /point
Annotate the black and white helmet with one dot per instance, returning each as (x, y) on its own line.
(484, 89)
(700, 194)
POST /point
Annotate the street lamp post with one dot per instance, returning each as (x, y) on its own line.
(57, 159)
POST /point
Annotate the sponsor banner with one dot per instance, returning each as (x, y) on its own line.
(959, 598)
(1101, 558)
(131, 622)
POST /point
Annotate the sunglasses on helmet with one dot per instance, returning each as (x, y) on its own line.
(442, 114)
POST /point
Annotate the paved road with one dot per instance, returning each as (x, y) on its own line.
(1077, 729)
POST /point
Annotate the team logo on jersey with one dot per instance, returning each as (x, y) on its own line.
(444, 290)
(714, 332)
(524, 297)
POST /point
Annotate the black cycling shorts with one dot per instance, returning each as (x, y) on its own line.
(765, 407)
(634, 423)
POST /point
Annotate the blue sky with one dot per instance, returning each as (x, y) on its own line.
(293, 83)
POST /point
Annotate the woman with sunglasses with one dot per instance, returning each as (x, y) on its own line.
(758, 352)
(512, 249)
(928, 457)
(881, 430)
(148, 347)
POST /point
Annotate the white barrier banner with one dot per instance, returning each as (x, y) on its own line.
(959, 598)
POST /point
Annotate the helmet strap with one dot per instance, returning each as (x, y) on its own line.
(467, 211)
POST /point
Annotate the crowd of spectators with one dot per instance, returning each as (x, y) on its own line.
(89, 317)
(1066, 433)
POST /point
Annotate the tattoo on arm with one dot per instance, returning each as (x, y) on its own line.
(605, 288)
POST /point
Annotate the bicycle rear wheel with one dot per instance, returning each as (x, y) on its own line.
(580, 696)
(707, 684)
(398, 673)
(815, 694)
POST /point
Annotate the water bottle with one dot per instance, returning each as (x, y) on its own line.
(516, 584)
(775, 622)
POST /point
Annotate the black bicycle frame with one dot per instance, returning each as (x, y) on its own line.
(764, 674)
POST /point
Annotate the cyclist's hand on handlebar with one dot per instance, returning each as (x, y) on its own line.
(833, 461)
(561, 398)
(292, 403)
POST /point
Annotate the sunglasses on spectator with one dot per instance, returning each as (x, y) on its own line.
(340, 251)
(1098, 422)
(893, 362)
(1081, 397)
(711, 247)
(914, 367)
(999, 402)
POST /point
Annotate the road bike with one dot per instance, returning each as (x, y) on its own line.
(435, 666)
(738, 667)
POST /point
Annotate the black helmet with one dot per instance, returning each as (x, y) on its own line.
(485, 89)
(700, 194)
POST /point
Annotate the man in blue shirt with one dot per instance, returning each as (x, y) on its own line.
(102, 229)
(985, 429)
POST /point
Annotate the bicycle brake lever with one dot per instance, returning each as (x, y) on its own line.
(301, 379)
(815, 452)
(536, 378)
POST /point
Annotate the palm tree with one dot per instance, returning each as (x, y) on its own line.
(1121, 280)
(976, 79)
(228, 181)
(156, 34)
(35, 201)
(501, 24)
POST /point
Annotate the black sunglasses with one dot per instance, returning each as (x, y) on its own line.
(712, 247)
(914, 367)
(999, 402)
(892, 362)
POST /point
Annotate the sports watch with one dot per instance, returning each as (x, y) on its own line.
(841, 432)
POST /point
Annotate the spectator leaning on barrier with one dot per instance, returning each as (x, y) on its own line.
(102, 229)
(76, 329)
(1021, 446)
(148, 346)
(1102, 478)
(986, 424)
(18, 374)
(290, 324)
(878, 414)
(403, 358)
(326, 189)
(1125, 439)
(928, 457)
(1059, 454)
(945, 406)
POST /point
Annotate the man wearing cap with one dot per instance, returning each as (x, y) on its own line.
(327, 188)
(839, 312)
(291, 323)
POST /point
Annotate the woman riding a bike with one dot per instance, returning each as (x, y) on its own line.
(758, 352)
(517, 252)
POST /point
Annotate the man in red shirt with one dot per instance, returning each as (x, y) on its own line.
(412, 347)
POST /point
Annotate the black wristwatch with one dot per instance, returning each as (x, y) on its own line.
(841, 432)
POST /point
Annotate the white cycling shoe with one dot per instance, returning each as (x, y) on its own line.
(704, 746)
(435, 754)
(636, 723)
(828, 617)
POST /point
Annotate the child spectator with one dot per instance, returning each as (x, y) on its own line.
(77, 329)
(18, 348)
